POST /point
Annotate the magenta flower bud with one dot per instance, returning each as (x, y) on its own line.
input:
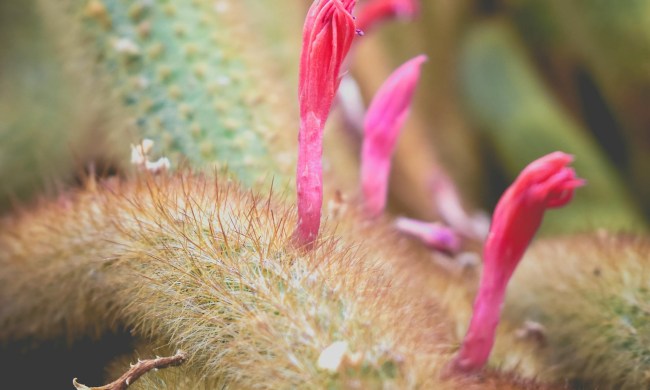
(432, 234)
(545, 183)
(376, 11)
(327, 36)
(384, 120)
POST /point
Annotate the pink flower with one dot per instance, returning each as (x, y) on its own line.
(432, 234)
(449, 205)
(377, 10)
(384, 120)
(327, 36)
(545, 183)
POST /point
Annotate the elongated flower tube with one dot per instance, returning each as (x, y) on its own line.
(432, 234)
(327, 36)
(384, 120)
(376, 11)
(545, 183)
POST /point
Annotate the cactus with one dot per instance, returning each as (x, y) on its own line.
(203, 265)
(208, 267)
(593, 309)
(46, 137)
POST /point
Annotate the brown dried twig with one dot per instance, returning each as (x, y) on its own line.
(136, 371)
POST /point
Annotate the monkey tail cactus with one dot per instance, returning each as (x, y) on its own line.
(210, 268)
(589, 294)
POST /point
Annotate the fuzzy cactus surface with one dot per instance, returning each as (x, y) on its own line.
(208, 267)
(593, 313)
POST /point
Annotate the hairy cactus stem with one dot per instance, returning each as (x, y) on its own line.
(204, 266)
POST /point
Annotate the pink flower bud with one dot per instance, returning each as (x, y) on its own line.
(432, 234)
(327, 36)
(376, 11)
(384, 120)
(545, 183)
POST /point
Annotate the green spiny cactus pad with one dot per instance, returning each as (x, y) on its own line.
(180, 71)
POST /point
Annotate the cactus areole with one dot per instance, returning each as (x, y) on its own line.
(545, 183)
(327, 36)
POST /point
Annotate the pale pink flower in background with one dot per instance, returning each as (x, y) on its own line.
(433, 234)
(448, 203)
(376, 11)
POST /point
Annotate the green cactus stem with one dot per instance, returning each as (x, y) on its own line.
(186, 75)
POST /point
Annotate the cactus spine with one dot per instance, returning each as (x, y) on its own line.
(188, 262)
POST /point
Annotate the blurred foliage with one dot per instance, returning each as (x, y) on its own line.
(46, 136)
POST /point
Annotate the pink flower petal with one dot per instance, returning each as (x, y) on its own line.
(449, 205)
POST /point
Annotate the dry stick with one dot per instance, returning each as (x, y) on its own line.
(136, 371)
